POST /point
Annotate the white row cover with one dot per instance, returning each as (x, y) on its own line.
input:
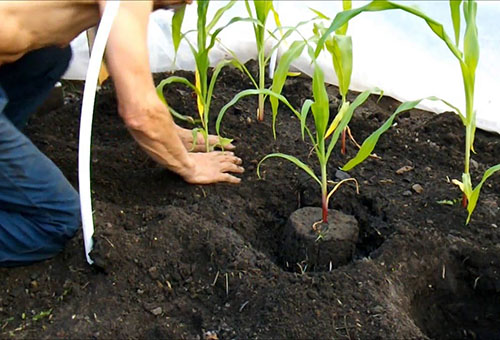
(392, 50)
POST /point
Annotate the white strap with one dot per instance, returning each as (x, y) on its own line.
(110, 11)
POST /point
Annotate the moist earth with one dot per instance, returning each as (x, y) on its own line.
(180, 261)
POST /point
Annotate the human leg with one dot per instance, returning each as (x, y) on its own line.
(28, 81)
(39, 209)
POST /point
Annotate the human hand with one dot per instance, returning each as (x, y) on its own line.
(186, 137)
(213, 167)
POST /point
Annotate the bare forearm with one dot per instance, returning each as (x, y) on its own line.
(156, 133)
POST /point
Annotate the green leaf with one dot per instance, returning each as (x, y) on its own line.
(346, 5)
(320, 108)
(320, 14)
(338, 118)
(370, 142)
(219, 14)
(215, 74)
(471, 42)
(383, 5)
(455, 17)
(340, 47)
(214, 35)
(303, 116)
(184, 118)
(262, 8)
(251, 92)
(475, 193)
(289, 31)
(177, 20)
(360, 99)
(292, 159)
(281, 71)
(170, 80)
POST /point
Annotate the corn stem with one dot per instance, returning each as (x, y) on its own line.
(262, 82)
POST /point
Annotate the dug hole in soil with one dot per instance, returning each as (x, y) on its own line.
(180, 261)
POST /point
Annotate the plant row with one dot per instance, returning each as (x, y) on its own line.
(328, 36)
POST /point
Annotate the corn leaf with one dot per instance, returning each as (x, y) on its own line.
(215, 74)
(360, 99)
(320, 14)
(370, 142)
(340, 47)
(177, 20)
(201, 23)
(170, 80)
(214, 35)
(281, 71)
(346, 5)
(338, 118)
(320, 108)
(219, 14)
(292, 159)
(185, 118)
(382, 5)
(471, 42)
(262, 8)
(199, 99)
(455, 18)
(475, 193)
(288, 32)
(303, 116)
(251, 92)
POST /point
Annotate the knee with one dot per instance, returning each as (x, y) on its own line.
(72, 216)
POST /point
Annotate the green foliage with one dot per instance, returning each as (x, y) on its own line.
(206, 38)
(468, 60)
(322, 142)
(262, 9)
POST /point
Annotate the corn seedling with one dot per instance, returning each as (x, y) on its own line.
(206, 38)
(262, 9)
(322, 141)
(468, 59)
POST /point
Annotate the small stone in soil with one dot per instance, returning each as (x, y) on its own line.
(417, 188)
(407, 193)
(156, 311)
(404, 169)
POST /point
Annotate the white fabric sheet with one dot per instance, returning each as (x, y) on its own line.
(392, 50)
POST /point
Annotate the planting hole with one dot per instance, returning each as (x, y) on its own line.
(464, 302)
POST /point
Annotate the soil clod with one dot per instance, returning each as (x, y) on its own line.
(319, 246)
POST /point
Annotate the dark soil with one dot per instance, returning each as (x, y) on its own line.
(204, 262)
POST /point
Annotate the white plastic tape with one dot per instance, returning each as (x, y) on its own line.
(89, 92)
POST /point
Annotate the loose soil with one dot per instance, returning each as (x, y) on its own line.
(179, 261)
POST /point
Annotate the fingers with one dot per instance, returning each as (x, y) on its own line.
(228, 157)
(214, 140)
(231, 167)
(225, 177)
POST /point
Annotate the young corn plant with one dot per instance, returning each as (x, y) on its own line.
(323, 137)
(338, 45)
(203, 88)
(262, 10)
(468, 59)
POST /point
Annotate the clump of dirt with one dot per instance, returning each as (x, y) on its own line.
(184, 261)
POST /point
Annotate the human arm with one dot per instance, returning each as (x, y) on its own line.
(145, 116)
